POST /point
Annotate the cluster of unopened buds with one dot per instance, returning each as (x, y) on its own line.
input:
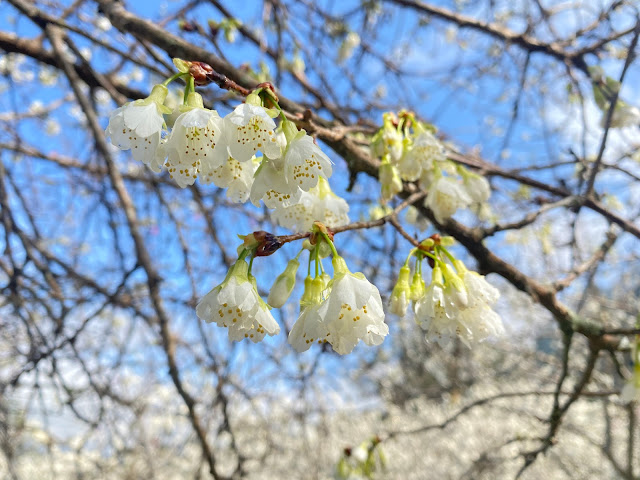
(457, 303)
(290, 174)
(339, 310)
(409, 151)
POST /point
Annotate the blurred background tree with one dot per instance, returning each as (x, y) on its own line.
(105, 371)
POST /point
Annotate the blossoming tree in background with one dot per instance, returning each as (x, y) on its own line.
(179, 296)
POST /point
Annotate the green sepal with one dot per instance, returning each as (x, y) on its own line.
(181, 65)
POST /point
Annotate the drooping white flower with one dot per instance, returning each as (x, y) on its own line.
(250, 129)
(310, 328)
(138, 126)
(410, 166)
(390, 181)
(451, 308)
(270, 185)
(431, 312)
(353, 310)
(423, 154)
(191, 147)
(480, 322)
(455, 292)
(304, 162)
(388, 140)
(480, 291)
(319, 204)
(445, 197)
(236, 177)
(235, 304)
(477, 187)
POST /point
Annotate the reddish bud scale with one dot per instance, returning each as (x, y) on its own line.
(268, 243)
(188, 26)
(200, 72)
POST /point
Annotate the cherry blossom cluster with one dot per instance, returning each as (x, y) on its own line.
(244, 152)
(339, 310)
(409, 151)
(257, 159)
(456, 303)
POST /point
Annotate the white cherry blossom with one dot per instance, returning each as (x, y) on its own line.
(319, 204)
(310, 328)
(425, 151)
(191, 147)
(270, 185)
(233, 175)
(445, 197)
(305, 162)
(250, 129)
(236, 305)
(137, 126)
(452, 307)
(390, 181)
(352, 311)
(477, 187)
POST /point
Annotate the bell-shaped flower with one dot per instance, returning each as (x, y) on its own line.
(479, 290)
(310, 328)
(401, 293)
(236, 305)
(388, 140)
(455, 291)
(304, 162)
(353, 310)
(283, 286)
(138, 126)
(319, 204)
(251, 129)
(422, 155)
(390, 181)
(431, 311)
(193, 144)
(236, 177)
(452, 307)
(445, 197)
(478, 323)
(477, 187)
(270, 185)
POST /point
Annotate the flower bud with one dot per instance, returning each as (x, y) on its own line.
(417, 287)
(401, 293)
(201, 73)
(283, 286)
